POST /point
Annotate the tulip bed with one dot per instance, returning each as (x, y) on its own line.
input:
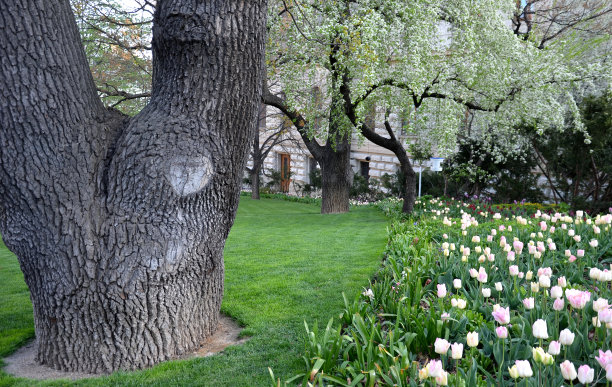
(471, 294)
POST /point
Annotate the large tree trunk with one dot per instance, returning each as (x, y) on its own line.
(119, 224)
(336, 177)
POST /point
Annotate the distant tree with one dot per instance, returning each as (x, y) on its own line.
(579, 170)
(273, 136)
(545, 21)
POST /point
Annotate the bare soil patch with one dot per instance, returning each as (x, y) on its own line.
(23, 363)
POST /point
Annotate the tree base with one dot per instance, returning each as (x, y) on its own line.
(22, 363)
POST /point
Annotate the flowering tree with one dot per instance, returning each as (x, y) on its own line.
(434, 60)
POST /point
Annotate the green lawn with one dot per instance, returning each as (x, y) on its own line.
(285, 263)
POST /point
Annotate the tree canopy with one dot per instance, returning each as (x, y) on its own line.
(434, 60)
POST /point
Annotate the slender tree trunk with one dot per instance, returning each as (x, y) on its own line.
(409, 194)
(257, 161)
(119, 225)
(255, 183)
(445, 185)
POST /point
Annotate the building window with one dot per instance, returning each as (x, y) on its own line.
(364, 169)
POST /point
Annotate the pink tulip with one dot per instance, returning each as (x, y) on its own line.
(561, 281)
(586, 374)
(556, 292)
(441, 346)
(554, 348)
(547, 271)
(605, 315)
(524, 368)
(456, 351)
(482, 276)
(518, 246)
(572, 259)
(580, 253)
(514, 270)
(577, 298)
(539, 329)
(435, 368)
(511, 256)
(558, 304)
(604, 358)
(502, 332)
(568, 371)
(529, 303)
(502, 315)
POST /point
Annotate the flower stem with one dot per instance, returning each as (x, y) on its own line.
(501, 365)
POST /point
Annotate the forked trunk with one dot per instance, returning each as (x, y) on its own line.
(119, 225)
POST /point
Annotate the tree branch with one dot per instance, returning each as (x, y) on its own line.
(296, 118)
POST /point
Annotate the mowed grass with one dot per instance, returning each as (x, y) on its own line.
(285, 263)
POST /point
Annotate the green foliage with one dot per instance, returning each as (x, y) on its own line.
(581, 167)
(274, 180)
(478, 170)
(364, 189)
(432, 183)
(394, 184)
(361, 186)
(315, 182)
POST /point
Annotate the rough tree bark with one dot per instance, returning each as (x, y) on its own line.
(255, 170)
(336, 175)
(255, 185)
(119, 224)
